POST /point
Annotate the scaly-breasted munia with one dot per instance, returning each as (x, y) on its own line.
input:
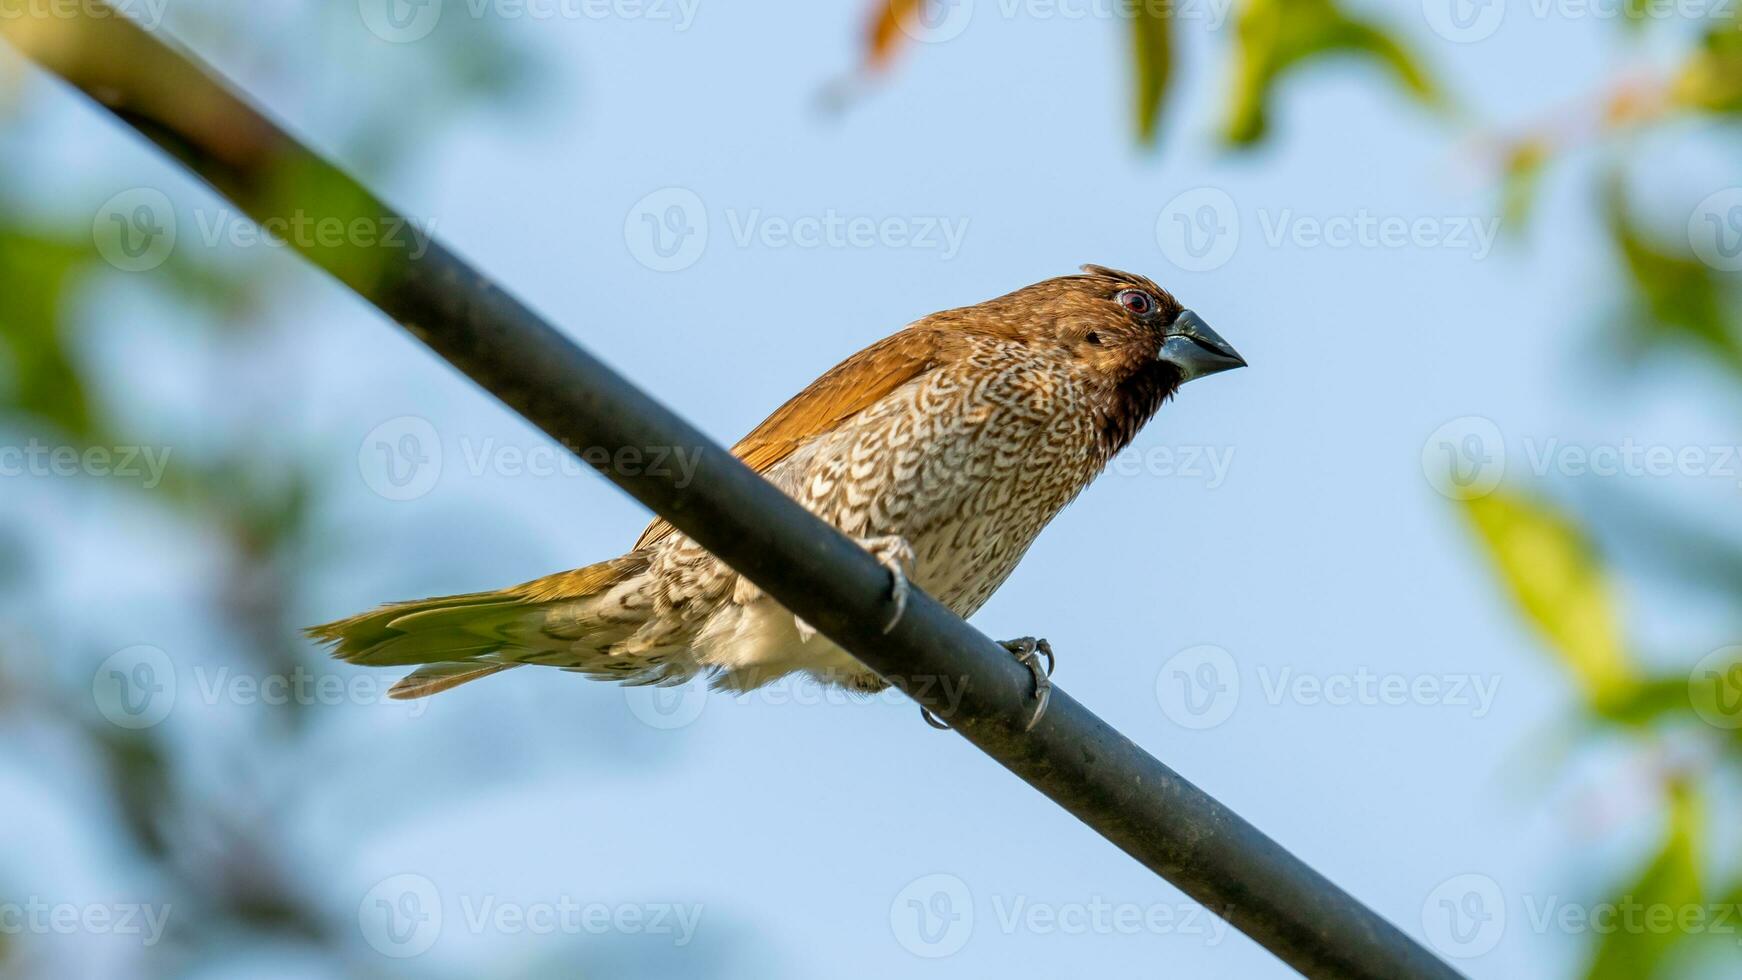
(943, 449)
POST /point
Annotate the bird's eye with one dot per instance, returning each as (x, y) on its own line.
(1137, 301)
(1093, 338)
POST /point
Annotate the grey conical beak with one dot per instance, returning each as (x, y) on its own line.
(1196, 349)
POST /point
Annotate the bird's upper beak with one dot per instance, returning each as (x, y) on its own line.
(1197, 350)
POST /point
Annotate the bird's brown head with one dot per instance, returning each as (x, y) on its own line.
(1123, 332)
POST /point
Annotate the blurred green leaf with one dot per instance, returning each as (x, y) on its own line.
(1680, 298)
(1152, 43)
(1635, 14)
(1553, 574)
(1636, 948)
(1274, 37)
(37, 274)
(1680, 697)
(1711, 80)
(1649, 700)
(1525, 161)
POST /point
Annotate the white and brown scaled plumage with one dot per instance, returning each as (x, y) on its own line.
(944, 449)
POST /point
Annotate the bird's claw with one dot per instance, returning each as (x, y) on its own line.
(1028, 652)
(898, 589)
(895, 554)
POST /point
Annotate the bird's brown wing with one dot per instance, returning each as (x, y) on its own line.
(848, 389)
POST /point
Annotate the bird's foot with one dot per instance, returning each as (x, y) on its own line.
(894, 553)
(1028, 652)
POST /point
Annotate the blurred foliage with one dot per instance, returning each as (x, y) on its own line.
(1677, 298)
(222, 862)
(1276, 37)
(1152, 54)
(225, 858)
(1668, 299)
(42, 379)
(1273, 38)
(1550, 569)
(1671, 881)
(1711, 78)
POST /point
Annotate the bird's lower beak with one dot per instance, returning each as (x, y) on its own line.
(1197, 350)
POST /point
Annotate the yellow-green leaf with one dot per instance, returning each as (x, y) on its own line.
(1679, 297)
(1636, 948)
(1557, 581)
(1273, 37)
(1152, 43)
(1711, 80)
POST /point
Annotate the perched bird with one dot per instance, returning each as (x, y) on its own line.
(943, 449)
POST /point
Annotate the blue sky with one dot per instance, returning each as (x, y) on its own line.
(1280, 514)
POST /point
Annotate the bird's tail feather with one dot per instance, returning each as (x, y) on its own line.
(461, 638)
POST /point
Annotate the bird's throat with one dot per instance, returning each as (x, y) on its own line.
(1134, 402)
